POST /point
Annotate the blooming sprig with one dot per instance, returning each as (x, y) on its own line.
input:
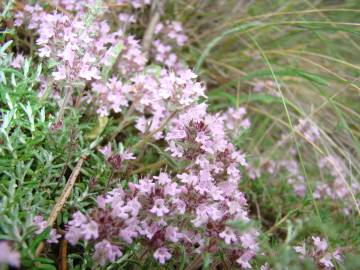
(169, 36)
(192, 207)
(235, 121)
(160, 211)
(336, 187)
(317, 251)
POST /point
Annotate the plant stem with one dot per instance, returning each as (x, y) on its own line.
(64, 104)
(62, 199)
(157, 10)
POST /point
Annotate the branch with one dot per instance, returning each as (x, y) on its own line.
(62, 199)
(157, 9)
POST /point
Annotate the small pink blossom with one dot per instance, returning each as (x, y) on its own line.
(228, 235)
(172, 234)
(73, 235)
(321, 245)
(159, 208)
(90, 230)
(162, 255)
(106, 252)
(8, 255)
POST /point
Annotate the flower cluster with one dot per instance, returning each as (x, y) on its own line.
(134, 3)
(116, 160)
(260, 86)
(80, 48)
(74, 5)
(307, 129)
(159, 97)
(160, 212)
(41, 225)
(318, 253)
(235, 121)
(337, 188)
(170, 34)
(192, 207)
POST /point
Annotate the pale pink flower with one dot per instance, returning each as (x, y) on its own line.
(18, 61)
(105, 252)
(172, 234)
(228, 235)
(159, 208)
(163, 178)
(162, 255)
(8, 255)
(321, 245)
(78, 219)
(73, 235)
(90, 230)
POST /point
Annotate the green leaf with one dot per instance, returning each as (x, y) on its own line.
(44, 260)
(239, 225)
(39, 238)
(111, 56)
(98, 129)
(215, 41)
(44, 267)
(206, 261)
(5, 46)
(172, 162)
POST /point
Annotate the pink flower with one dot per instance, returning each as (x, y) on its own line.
(18, 61)
(8, 255)
(228, 235)
(326, 261)
(41, 225)
(244, 259)
(180, 206)
(172, 234)
(105, 251)
(89, 73)
(163, 178)
(60, 74)
(201, 217)
(119, 211)
(265, 267)
(300, 249)
(73, 235)
(162, 255)
(248, 241)
(159, 208)
(106, 150)
(133, 207)
(90, 230)
(337, 255)
(171, 189)
(128, 234)
(45, 51)
(78, 219)
(145, 186)
(127, 18)
(127, 155)
(53, 237)
(321, 245)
